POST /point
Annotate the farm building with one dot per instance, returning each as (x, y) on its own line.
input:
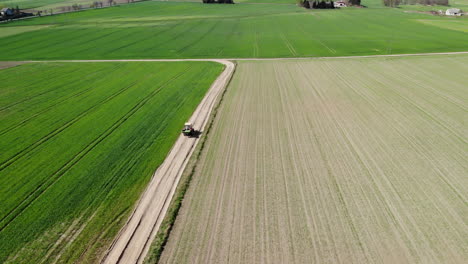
(339, 4)
(7, 11)
(453, 12)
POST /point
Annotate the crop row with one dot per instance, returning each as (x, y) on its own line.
(102, 145)
(332, 161)
(191, 30)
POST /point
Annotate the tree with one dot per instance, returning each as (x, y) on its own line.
(391, 3)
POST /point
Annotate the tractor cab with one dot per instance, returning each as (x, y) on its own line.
(188, 130)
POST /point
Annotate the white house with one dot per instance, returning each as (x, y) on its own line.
(339, 4)
(453, 12)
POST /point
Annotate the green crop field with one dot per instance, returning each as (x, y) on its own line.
(9, 31)
(448, 24)
(79, 143)
(193, 30)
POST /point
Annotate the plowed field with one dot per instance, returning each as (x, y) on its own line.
(333, 161)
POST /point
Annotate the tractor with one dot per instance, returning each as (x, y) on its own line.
(188, 130)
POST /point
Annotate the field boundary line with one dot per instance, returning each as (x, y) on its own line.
(249, 59)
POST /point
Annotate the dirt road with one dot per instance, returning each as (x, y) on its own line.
(132, 243)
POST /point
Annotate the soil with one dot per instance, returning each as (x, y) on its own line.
(332, 161)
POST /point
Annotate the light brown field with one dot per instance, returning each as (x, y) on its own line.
(333, 161)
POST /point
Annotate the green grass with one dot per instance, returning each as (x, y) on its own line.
(192, 30)
(10, 31)
(448, 24)
(79, 143)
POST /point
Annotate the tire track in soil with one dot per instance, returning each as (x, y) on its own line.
(288, 44)
(431, 117)
(361, 159)
(57, 131)
(352, 164)
(49, 41)
(65, 98)
(107, 186)
(170, 28)
(29, 98)
(197, 40)
(229, 37)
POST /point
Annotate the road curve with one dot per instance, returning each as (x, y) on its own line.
(134, 240)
